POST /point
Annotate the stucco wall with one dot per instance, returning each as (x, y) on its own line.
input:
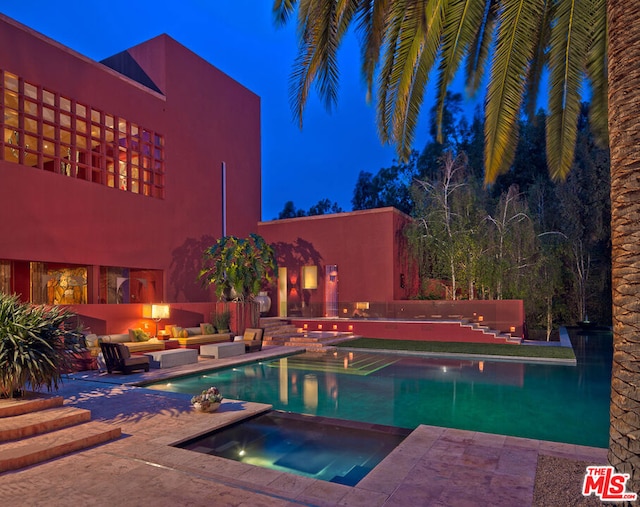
(206, 118)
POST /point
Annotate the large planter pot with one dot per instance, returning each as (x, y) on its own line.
(264, 302)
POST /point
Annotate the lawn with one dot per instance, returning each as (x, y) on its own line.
(485, 349)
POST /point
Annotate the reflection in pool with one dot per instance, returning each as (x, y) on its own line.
(548, 402)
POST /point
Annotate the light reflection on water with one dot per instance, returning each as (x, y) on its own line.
(548, 402)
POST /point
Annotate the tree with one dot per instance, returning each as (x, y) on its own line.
(597, 39)
(391, 186)
(323, 207)
(290, 211)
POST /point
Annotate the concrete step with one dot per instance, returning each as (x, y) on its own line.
(30, 402)
(30, 451)
(41, 421)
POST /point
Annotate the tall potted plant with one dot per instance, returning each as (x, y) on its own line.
(32, 346)
(239, 268)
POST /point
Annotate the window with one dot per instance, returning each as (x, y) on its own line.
(49, 131)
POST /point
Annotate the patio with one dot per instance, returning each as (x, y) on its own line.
(433, 466)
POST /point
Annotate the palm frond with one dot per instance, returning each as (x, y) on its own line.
(372, 16)
(539, 60)
(567, 59)
(317, 56)
(597, 73)
(411, 51)
(282, 10)
(414, 74)
(462, 21)
(386, 92)
(478, 53)
(514, 48)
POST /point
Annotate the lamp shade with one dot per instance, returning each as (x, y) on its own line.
(155, 312)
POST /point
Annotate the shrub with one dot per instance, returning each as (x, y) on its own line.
(32, 346)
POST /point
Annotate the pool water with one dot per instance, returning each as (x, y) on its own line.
(320, 448)
(547, 402)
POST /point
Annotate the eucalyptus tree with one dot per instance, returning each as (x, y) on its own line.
(403, 40)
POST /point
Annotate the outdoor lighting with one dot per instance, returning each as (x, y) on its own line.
(350, 327)
(319, 326)
(155, 313)
(309, 277)
(512, 329)
(335, 327)
(480, 318)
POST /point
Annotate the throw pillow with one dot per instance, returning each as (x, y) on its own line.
(132, 335)
(249, 335)
(141, 336)
(176, 332)
(207, 328)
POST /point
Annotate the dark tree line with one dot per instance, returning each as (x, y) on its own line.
(523, 237)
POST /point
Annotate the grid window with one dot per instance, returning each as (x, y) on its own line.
(49, 131)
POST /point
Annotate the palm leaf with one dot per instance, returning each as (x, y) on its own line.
(478, 53)
(567, 58)
(418, 50)
(597, 72)
(372, 15)
(514, 48)
(282, 10)
(317, 57)
(411, 51)
(462, 19)
(539, 60)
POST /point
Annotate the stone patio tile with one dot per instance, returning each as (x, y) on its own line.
(521, 443)
(383, 480)
(446, 449)
(362, 498)
(422, 495)
(323, 493)
(489, 439)
(289, 485)
(455, 435)
(514, 461)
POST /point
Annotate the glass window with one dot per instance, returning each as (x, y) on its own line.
(48, 98)
(31, 91)
(81, 111)
(55, 133)
(10, 81)
(65, 104)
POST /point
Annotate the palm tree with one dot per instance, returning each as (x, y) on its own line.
(402, 41)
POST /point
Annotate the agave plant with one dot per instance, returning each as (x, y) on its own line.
(32, 346)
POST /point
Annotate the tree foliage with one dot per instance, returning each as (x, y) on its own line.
(238, 267)
(32, 346)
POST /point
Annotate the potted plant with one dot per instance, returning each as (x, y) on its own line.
(221, 321)
(208, 400)
(238, 267)
(32, 346)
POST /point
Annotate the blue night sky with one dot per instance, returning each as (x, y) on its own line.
(239, 37)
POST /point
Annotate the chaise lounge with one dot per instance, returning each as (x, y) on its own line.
(118, 358)
(253, 339)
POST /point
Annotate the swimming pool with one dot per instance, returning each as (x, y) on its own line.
(548, 402)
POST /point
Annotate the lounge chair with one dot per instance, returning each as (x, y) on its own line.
(118, 358)
(253, 339)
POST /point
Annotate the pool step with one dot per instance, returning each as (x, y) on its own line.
(37, 428)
